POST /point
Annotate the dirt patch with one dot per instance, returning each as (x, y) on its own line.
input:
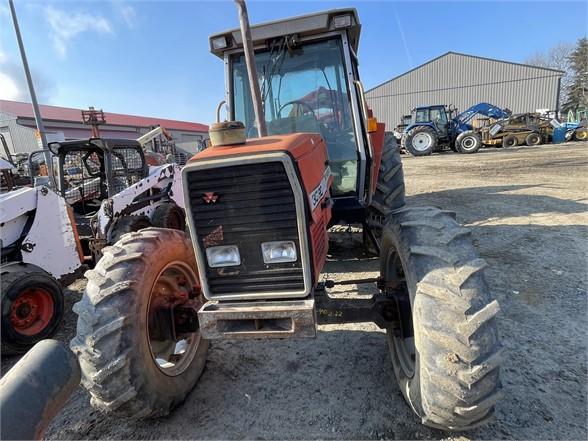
(527, 209)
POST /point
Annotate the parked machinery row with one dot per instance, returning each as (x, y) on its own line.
(435, 128)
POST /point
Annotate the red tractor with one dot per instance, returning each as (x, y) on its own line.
(258, 213)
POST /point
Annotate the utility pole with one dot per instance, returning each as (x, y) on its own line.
(36, 111)
(251, 68)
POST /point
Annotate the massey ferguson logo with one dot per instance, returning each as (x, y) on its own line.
(210, 197)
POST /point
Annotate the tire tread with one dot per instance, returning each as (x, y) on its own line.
(454, 317)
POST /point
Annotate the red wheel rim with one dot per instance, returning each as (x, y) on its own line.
(31, 311)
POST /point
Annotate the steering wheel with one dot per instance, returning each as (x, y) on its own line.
(300, 103)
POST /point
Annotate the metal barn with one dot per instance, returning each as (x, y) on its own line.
(464, 80)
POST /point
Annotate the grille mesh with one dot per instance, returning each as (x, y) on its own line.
(246, 205)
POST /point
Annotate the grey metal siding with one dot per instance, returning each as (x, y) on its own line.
(464, 80)
(20, 139)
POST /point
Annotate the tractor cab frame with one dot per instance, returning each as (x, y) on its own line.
(437, 117)
(309, 80)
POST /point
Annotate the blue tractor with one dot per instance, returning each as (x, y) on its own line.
(435, 127)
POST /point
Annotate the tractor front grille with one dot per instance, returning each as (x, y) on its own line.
(246, 205)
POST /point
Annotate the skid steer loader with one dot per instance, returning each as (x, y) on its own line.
(51, 233)
(258, 211)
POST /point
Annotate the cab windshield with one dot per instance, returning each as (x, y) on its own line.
(303, 89)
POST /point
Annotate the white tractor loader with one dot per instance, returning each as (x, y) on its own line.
(103, 188)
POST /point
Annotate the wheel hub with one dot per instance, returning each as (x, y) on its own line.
(468, 143)
(31, 311)
(172, 341)
(422, 141)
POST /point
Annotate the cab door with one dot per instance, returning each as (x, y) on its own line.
(439, 120)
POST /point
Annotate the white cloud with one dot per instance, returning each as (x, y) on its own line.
(13, 84)
(129, 15)
(9, 89)
(66, 26)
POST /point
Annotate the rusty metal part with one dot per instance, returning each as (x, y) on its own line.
(35, 390)
(258, 319)
(299, 318)
(333, 283)
(381, 309)
(172, 318)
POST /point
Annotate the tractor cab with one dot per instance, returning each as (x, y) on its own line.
(309, 83)
(436, 116)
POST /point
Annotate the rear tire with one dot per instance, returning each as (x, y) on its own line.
(169, 215)
(533, 139)
(32, 307)
(389, 195)
(581, 134)
(420, 141)
(468, 142)
(510, 141)
(128, 224)
(115, 341)
(446, 354)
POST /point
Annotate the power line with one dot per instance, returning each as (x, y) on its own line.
(464, 86)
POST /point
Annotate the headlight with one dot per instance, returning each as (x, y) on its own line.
(226, 255)
(219, 43)
(279, 252)
(342, 21)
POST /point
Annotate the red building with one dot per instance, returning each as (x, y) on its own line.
(17, 124)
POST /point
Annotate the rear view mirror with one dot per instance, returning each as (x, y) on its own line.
(53, 147)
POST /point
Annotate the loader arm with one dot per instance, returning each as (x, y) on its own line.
(163, 182)
(151, 135)
(485, 109)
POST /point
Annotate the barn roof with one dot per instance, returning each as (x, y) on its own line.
(469, 56)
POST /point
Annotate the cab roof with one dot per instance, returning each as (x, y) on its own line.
(98, 143)
(303, 25)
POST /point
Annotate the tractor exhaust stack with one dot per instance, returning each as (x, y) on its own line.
(251, 68)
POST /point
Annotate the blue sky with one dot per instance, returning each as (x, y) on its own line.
(151, 58)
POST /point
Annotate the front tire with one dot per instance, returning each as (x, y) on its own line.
(533, 139)
(445, 353)
(32, 307)
(510, 141)
(135, 361)
(468, 142)
(420, 141)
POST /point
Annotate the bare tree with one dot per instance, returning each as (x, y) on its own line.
(558, 57)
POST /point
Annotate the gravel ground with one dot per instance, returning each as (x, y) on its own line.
(527, 209)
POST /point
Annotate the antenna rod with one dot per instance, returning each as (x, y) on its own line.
(251, 68)
(36, 111)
